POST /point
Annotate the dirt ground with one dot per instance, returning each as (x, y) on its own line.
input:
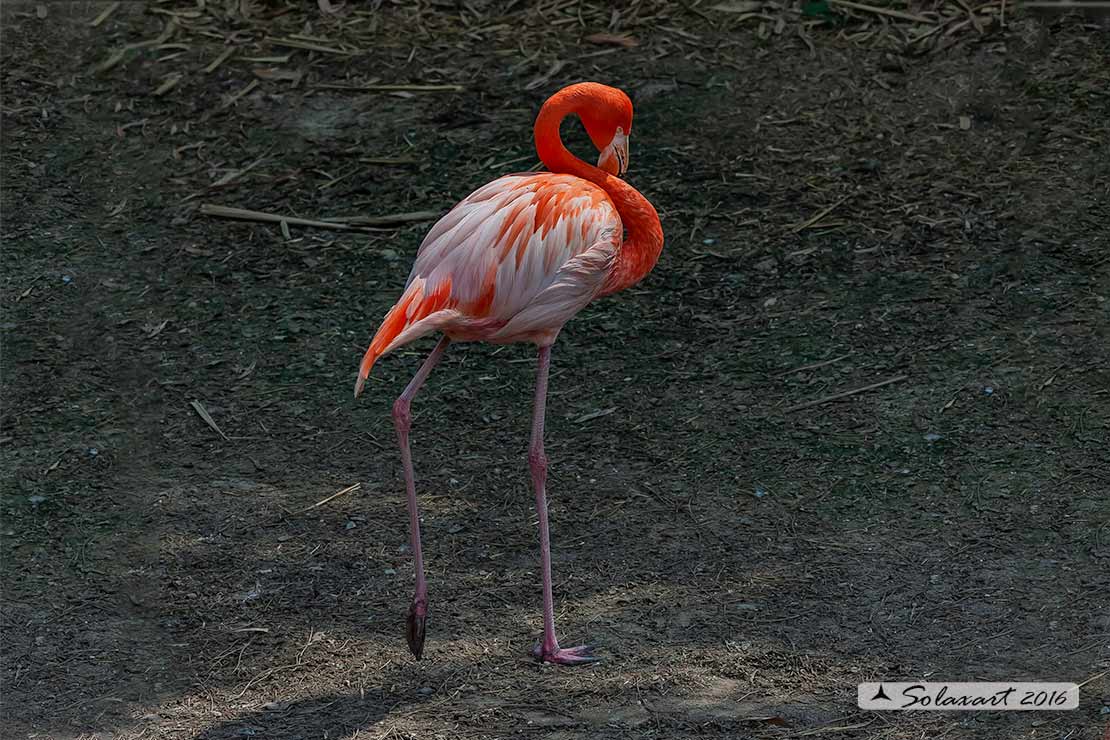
(843, 207)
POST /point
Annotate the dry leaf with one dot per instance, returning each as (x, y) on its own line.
(776, 721)
(244, 372)
(167, 84)
(557, 65)
(152, 330)
(203, 414)
(594, 415)
(614, 39)
(740, 6)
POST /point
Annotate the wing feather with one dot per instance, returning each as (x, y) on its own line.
(520, 229)
(534, 238)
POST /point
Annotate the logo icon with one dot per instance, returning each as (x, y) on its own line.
(880, 694)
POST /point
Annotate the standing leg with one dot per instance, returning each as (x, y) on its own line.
(548, 650)
(402, 420)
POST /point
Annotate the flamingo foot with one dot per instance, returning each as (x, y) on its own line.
(414, 627)
(565, 656)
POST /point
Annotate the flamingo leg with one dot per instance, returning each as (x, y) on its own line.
(548, 650)
(402, 421)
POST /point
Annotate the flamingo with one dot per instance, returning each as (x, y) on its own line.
(513, 262)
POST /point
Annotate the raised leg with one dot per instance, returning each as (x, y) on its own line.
(402, 421)
(548, 650)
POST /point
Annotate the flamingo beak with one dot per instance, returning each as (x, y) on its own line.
(614, 158)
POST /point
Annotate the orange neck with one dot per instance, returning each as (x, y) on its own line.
(640, 251)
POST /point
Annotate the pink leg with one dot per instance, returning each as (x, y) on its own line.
(548, 650)
(402, 420)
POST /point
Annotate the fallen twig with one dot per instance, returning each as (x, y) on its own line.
(234, 175)
(118, 55)
(297, 44)
(269, 59)
(208, 209)
(883, 11)
(168, 84)
(392, 219)
(387, 160)
(831, 728)
(335, 495)
(806, 224)
(1092, 678)
(223, 57)
(233, 99)
(104, 15)
(844, 394)
(814, 366)
(613, 39)
(391, 88)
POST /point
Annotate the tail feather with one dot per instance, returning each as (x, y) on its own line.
(394, 323)
(413, 306)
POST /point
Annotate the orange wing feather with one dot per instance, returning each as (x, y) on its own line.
(562, 233)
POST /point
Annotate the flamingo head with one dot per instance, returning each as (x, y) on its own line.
(614, 156)
(608, 120)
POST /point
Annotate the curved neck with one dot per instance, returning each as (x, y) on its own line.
(640, 250)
